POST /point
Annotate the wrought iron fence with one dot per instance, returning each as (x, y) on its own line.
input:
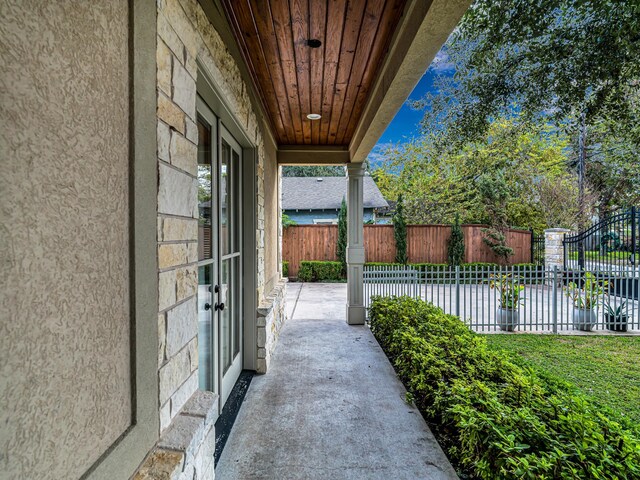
(521, 298)
(537, 249)
(612, 242)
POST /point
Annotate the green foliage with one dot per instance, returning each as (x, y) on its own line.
(589, 294)
(497, 242)
(313, 171)
(497, 419)
(287, 221)
(509, 288)
(437, 184)
(341, 247)
(552, 62)
(285, 269)
(495, 194)
(606, 368)
(550, 58)
(455, 247)
(400, 232)
(204, 183)
(320, 271)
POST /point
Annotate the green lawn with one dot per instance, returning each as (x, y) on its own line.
(596, 255)
(605, 368)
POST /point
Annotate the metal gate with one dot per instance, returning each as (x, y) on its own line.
(608, 245)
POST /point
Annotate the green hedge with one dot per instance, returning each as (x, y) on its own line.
(496, 418)
(318, 271)
(285, 269)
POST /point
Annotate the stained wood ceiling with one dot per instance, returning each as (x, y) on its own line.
(294, 80)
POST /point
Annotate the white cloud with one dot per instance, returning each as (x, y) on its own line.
(442, 62)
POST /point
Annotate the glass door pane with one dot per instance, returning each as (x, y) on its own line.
(230, 326)
(206, 361)
(226, 296)
(205, 207)
(225, 197)
(208, 257)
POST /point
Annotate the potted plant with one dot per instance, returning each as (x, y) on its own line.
(585, 299)
(616, 318)
(507, 315)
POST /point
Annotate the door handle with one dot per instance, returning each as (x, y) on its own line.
(219, 306)
(207, 306)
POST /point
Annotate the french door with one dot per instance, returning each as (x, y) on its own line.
(219, 255)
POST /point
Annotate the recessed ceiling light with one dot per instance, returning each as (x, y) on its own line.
(314, 116)
(314, 43)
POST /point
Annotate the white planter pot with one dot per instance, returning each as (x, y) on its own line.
(584, 319)
(507, 318)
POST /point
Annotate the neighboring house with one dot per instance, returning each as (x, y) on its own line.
(117, 357)
(385, 214)
(310, 200)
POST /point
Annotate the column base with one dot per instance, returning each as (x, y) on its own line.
(356, 314)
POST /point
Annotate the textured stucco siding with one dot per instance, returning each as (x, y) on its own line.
(64, 236)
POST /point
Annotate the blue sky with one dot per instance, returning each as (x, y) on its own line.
(406, 123)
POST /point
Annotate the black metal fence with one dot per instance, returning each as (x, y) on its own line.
(537, 249)
(610, 243)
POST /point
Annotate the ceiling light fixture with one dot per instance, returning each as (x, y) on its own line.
(314, 43)
(314, 116)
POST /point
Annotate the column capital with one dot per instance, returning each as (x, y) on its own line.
(355, 169)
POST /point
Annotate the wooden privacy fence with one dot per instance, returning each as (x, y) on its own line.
(425, 244)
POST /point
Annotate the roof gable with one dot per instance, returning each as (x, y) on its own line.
(318, 193)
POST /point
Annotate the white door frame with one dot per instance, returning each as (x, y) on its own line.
(208, 93)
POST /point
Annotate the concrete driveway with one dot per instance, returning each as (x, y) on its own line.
(330, 406)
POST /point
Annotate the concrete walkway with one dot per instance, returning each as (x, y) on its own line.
(330, 406)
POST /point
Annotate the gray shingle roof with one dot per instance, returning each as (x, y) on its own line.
(316, 193)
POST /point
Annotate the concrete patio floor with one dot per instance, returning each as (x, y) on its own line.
(331, 405)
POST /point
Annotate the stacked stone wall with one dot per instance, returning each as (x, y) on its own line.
(187, 439)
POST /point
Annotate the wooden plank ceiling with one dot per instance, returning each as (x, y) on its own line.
(294, 80)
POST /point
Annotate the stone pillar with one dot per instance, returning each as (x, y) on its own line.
(553, 249)
(355, 245)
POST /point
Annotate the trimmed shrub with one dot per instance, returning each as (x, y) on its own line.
(319, 271)
(400, 232)
(496, 417)
(341, 247)
(455, 245)
(285, 269)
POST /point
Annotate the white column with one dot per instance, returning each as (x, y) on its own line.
(355, 245)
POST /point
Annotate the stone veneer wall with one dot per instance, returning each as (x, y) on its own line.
(553, 247)
(187, 440)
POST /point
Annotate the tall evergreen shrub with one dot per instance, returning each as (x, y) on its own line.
(341, 248)
(455, 250)
(400, 233)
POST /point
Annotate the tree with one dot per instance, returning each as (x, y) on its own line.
(455, 246)
(559, 202)
(571, 63)
(551, 58)
(495, 195)
(287, 221)
(400, 233)
(439, 184)
(341, 248)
